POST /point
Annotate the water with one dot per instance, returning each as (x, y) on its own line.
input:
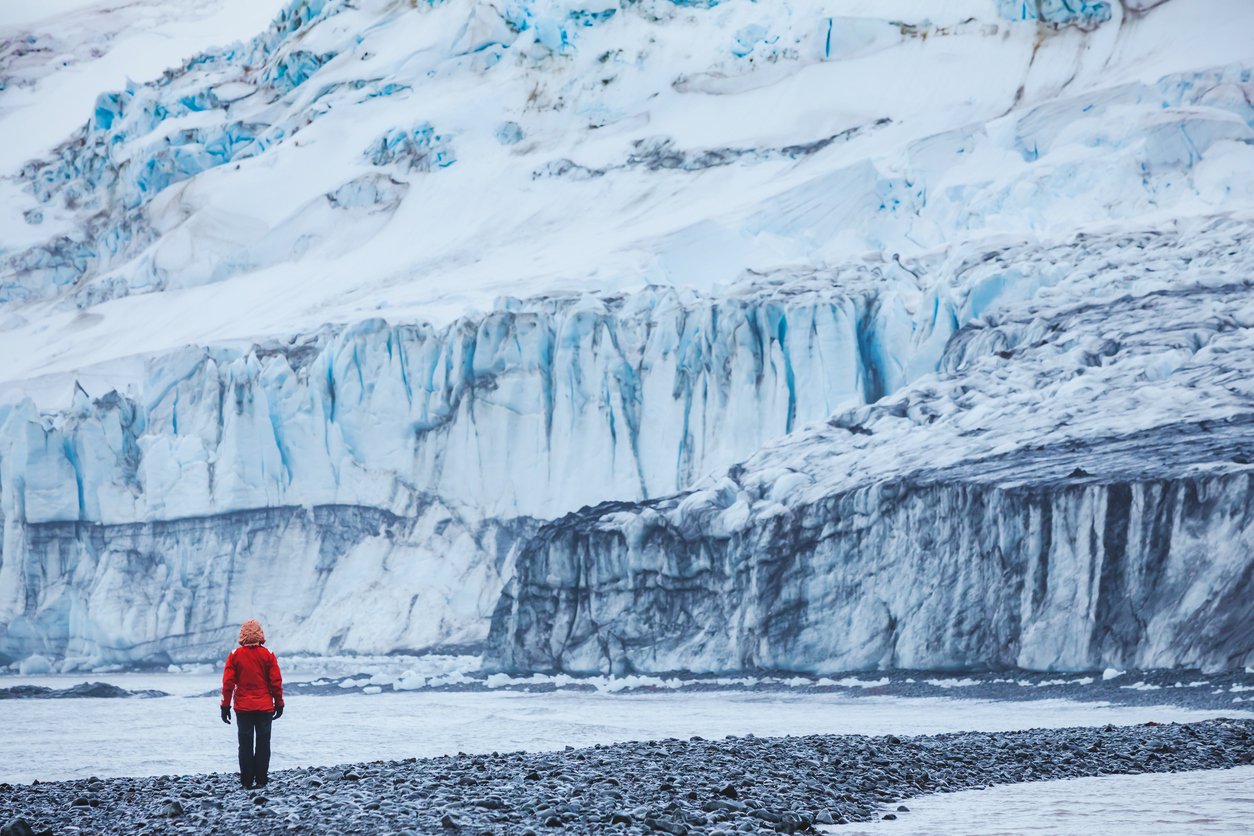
(1180, 804)
(57, 739)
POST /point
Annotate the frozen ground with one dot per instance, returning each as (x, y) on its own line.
(61, 739)
(1208, 801)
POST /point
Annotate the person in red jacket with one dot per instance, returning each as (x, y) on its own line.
(252, 676)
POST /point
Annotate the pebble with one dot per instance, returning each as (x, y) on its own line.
(693, 787)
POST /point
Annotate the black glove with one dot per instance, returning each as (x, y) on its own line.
(226, 714)
(278, 712)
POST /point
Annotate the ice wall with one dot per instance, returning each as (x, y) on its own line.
(534, 409)
(394, 465)
(934, 571)
(322, 578)
(1072, 490)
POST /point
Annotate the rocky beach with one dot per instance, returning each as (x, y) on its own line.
(739, 784)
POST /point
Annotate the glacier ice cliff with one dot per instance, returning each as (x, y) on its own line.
(540, 405)
(537, 407)
(329, 576)
(1073, 490)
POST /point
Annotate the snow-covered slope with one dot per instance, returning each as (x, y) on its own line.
(411, 159)
(394, 281)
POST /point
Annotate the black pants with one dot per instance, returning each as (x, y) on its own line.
(254, 759)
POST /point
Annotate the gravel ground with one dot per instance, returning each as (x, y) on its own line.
(741, 784)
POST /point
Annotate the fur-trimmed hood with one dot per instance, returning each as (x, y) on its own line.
(251, 633)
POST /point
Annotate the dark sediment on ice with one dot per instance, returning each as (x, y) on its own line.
(743, 784)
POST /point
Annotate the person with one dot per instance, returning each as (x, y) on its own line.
(252, 677)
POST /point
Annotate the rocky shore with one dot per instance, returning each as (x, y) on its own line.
(738, 784)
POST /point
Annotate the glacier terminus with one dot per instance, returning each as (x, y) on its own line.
(625, 337)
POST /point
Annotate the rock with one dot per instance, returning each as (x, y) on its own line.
(81, 801)
(352, 775)
(792, 823)
(831, 780)
(171, 810)
(729, 792)
(17, 827)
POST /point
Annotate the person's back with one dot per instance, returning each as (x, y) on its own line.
(252, 678)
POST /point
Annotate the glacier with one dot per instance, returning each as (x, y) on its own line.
(542, 404)
(1083, 499)
(633, 336)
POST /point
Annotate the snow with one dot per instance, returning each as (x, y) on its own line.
(1180, 804)
(52, 739)
(619, 231)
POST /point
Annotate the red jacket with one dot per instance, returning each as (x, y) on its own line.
(252, 674)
